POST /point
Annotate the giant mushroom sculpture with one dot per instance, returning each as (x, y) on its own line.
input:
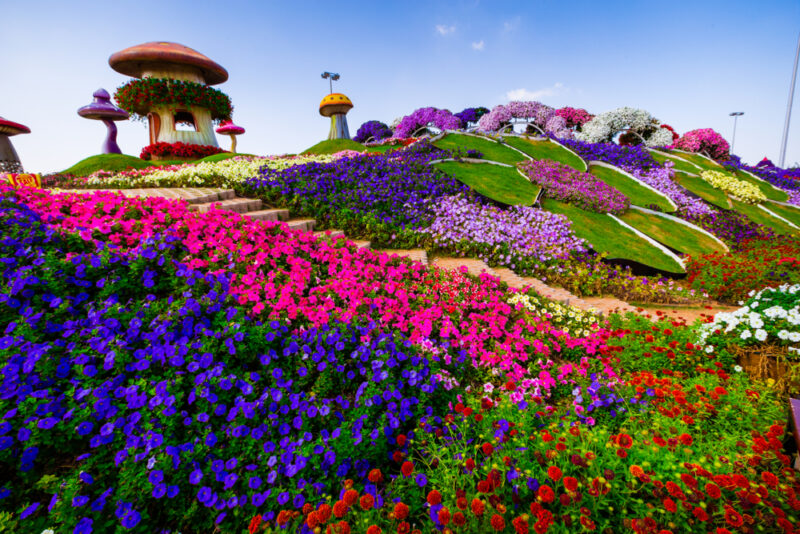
(336, 106)
(9, 160)
(228, 128)
(173, 90)
(102, 109)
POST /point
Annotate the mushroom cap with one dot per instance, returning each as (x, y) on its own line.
(334, 103)
(102, 108)
(228, 128)
(136, 59)
(10, 128)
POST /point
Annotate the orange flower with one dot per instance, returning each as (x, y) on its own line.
(283, 517)
(350, 497)
(375, 476)
(636, 471)
(324, 512)
(477, 506)
(400, 510)
(444, 516)
(374, 529)
(254, 524)
(434, 497)
(308, 508)
(498, 523)
(312, 520)
(403, 528)
(340, 509)
(366, 502)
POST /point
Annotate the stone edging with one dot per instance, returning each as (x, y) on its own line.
(685, 223)
(652, 241)
(632, 177)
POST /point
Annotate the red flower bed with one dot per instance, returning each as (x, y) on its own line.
(178, 150)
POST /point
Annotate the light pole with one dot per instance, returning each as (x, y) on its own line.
(735, 115)
(332, 77)
(789, 105)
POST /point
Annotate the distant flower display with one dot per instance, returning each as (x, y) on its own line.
(744, 191)
(178, 150)
(471, 115)
(574, 117)
(422, 117)
(138, 97)
(603, 127)
(372, 131)
(704, 140)
(543, 116)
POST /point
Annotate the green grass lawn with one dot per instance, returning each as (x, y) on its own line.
(491, 150)
(546, 150)
(769, 191)
(672, 233)
(109, 162)
(636, 192)
(331, 146)
(606, 235)
(755, 214)
(704, 190)
(222, 156)
(789, 213)
(503, 184)
(701, 161)
(680, 163)
(383, 148)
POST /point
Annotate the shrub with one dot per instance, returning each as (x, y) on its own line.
(704, 140)
(178, 150)
(372, 131)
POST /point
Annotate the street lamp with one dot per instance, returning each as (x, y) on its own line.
(789, 105)
(332, 77)
(735, 115)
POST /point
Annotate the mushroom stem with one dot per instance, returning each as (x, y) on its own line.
(339, 128)
(9, 160)
(110, 145)
(233, 143)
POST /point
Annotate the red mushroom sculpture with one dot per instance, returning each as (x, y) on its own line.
(9, 160)
(229, 128)
(102, 109)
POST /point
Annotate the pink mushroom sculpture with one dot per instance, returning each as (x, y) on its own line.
(102, 109)
(229, 128)
(9, 160)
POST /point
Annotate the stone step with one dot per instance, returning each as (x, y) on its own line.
(330, 233)
(362, 244)
(302, 224)
(474, 267)
(415, 254)
(510, 277)
(268, 215)
(238, 205)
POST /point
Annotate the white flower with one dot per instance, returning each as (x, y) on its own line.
(761, 335)
(746, 334)
(709, 349)
(737, 368)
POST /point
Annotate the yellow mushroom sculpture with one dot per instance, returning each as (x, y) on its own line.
(336, 106)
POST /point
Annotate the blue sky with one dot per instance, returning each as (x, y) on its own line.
(688, 63)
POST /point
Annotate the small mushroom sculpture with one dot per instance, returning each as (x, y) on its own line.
(336, 106)
(9, 161)
(103, 110)
(229, 128)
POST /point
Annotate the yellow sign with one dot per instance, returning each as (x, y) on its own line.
(19, 180)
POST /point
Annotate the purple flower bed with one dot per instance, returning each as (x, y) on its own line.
(627, 157)
(541, 115)
(522, 238)
(786, 179)
(471, 115)
(732, 227)
(660, 178)
(440, 118)
(581, 189)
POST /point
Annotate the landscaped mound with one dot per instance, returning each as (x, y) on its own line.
(564, 183)
(106, 162)
(744, 191)
(332, 146)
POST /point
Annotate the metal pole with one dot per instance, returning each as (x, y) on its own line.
(789, 106)
(733, 141)
(330, 83)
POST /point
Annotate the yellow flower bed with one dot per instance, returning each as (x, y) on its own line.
(744, 191)
(572, 320)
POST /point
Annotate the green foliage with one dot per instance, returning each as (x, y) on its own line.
(758, 215)
(672, 233)
(491, 150)
(546, 150)
(704, 190)
(139, 97)
(331, 146)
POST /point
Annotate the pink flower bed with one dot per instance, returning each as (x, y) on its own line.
(704, 140)
(286, 274)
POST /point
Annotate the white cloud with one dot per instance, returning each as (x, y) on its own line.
(524, 94)
(511, 25)
(478, 45)
(441, 29)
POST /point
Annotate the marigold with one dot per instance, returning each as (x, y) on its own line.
(312, 520)
(324, 512)
(459, 519)
(350, 497)
(375, 476)
(444, 516)
(400, 510)
(374, 529)
(520, 525)
(498, 523)
(769, 478)
(733, 518)
(340, 509)
(401, 440)
(700, 514)
(545, 493)
(434, 497)
(283, 517)
(487, 449)
(366, 502)
(307, 508)
(342, 527)
(477, 506)
(636, 471)
(554, 473)
(254, 524)
(670, 505)
(403, 528)
(713, 491)
(407, 468)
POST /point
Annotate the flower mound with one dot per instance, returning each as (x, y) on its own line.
(178, 150)
(704, 140)
(581, 189)
(372, 131)
(471, 115)
(542, 116)
(744, 191)
(422, 117)
(574, 117)
(605, 126)
(138, 97)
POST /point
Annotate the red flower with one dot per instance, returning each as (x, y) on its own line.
(769, 478)
(733, 518)
(401, 440)
(407, 469)
(554, 473)
(434, 497)
(669, 505)
(340, 509)
(520, 526)
(400, 510)
(375, 476)
(498, 523)
(545, 493)
(459, 519)
(477, 506)
(374, 529)
(570, 483)
(444, 516)
(403, 528)
(350, 497)
(700, 514)
(625, 441)
(470, 464)
(366, 502)
(487, 449)
(254, 524)
(713, 491)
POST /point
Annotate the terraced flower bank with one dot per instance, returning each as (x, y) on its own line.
(546, 149)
